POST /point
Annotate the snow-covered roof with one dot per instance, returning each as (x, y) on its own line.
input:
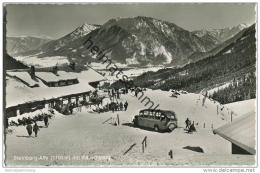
(241, 132)
(51, 77)
(90, 75)
(23, 76)
(16, 95)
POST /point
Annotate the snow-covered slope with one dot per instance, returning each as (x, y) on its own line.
(95, 143)
(243, 107)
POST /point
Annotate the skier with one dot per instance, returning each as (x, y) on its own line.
(29, 129)
(36, 129)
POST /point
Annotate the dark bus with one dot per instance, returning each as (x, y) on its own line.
(158, 120)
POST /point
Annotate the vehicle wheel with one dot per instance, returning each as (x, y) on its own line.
(171, 127)
(156, 128)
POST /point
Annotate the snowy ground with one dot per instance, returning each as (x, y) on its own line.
(243, 107)
(130, 73)
(216, 89)
(83, 139)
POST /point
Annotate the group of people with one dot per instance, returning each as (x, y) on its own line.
(190, 126)
(35, 128)
(118, 106)
(114, 93)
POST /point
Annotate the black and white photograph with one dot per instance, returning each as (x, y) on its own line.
(129, 84)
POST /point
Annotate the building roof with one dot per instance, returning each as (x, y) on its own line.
(51, 77)
(25, 77)
(90, 75)
(241, 132)
(16, 95)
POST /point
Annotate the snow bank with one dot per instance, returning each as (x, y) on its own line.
(30, 115)
(130, 73)
(211, 91)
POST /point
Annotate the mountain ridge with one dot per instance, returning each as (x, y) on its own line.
(136, 41)
(235, 61)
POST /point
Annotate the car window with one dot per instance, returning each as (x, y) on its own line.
(162, 117)
(157, 115)
(146, 113)
(151, 114)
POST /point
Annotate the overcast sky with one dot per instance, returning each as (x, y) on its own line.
(58, 20)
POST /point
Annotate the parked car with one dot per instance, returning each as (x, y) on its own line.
(158, 120)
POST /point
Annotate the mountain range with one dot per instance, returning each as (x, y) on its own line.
(234, 62)
(220, 35)
(18, 45)
(137, 41)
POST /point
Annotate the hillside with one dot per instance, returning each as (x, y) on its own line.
(222, 37)
(11, 63)
(18, 45)
(137, 41)
(236, 61)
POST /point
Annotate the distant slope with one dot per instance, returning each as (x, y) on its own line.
(17, 45)
(10, 63)
(236, 61)
(220, 35)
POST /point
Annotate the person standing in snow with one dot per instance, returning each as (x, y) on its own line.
(29, 129)
(121, 106)
(126, 105)
(118, 94)
(36, 129)
(136, 92)
(187, 122)
(71, 108)
(45, 119)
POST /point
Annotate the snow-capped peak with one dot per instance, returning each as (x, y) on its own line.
(242, 26)
(87, 28)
